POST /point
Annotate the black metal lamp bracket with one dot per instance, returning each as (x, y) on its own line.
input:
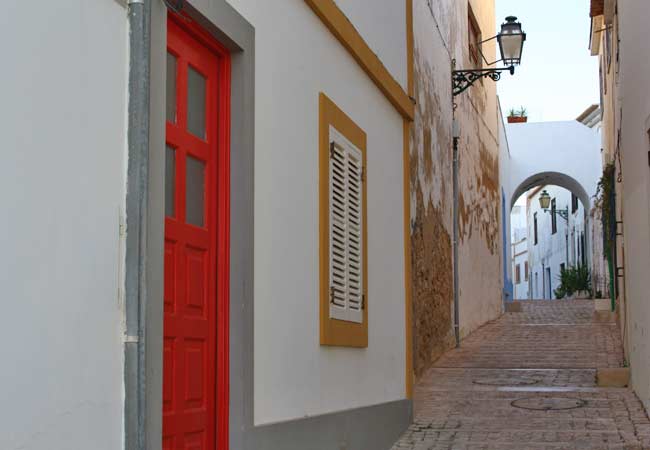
(563, 213)
(462, 79)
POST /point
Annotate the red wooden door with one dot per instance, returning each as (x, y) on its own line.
(195, 378)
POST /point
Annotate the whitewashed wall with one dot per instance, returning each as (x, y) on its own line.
(508, 237)
(568, 150)
(519, 258)
(294, 376)
(383, 25)
(634, 16)
(519, 247)
(63, 88)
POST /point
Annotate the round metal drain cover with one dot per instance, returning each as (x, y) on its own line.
(548, 403)
(505, 381)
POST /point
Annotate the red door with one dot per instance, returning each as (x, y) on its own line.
(195, 378)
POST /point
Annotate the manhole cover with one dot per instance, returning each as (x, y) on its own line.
(514, 381)
(548, 403)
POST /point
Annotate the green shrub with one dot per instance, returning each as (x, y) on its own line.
(573, 279)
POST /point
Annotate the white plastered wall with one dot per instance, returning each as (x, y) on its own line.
(296, 58)
(62, 182)
(519, 247)
(383, 25)
(568, 149)
(635, 123)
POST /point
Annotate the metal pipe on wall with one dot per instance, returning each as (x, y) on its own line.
(455, 166)
(137, 191)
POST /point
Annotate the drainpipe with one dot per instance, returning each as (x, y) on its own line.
(456, 132)
(566, 239)
(543, 281)
(137, 189)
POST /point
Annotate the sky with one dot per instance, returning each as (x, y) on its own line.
(558, 78)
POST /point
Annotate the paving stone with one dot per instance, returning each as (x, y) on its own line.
(551, 349)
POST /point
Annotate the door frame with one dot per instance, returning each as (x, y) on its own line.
(221, 22)
(220, 212)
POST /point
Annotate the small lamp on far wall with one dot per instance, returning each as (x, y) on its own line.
(545, 200)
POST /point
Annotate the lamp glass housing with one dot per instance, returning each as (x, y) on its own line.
(511, 41)
(545, 200)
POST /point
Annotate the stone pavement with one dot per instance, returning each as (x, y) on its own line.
(527, 381)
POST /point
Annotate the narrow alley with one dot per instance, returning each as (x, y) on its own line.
(528, 380)
(325, 225)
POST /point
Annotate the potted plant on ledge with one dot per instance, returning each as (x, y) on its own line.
(518, 116)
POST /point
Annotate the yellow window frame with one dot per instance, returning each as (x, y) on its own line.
(337, 332)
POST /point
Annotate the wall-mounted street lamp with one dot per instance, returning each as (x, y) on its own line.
(545, 203)
(511, 44)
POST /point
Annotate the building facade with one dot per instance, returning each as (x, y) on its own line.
(446, 34)
(554, 242)
(618, 41)
(234, 226)
(519, 249)
(211, 241)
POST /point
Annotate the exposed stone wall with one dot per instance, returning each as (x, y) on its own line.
(440, 35)
(431, 263)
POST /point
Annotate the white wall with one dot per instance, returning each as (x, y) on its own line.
(520, 258)
(294, 376)
(519, 247)
(507, 226)
(566, 153)
(634, 16)
(62, 182)
(383, 26)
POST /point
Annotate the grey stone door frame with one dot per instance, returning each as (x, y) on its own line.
(236, 34)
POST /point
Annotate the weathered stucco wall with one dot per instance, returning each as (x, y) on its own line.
(431, 190)
(440, 36)
(481, 280)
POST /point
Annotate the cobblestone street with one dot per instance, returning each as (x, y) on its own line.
(528, 381)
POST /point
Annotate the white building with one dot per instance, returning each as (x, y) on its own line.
(619, 38)
(519, 249)
(554, 242)
(175, 274)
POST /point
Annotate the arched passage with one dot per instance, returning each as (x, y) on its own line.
(563, 181)
(556, 179)
(565, 154)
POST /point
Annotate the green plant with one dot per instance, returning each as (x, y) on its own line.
(605, 198)
(573, 279)
(521, 112)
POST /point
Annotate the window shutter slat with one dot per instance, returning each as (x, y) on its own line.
(346, 225)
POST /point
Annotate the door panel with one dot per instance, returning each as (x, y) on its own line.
(195, 382)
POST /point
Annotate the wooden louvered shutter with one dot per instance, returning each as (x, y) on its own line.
(346, 179)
